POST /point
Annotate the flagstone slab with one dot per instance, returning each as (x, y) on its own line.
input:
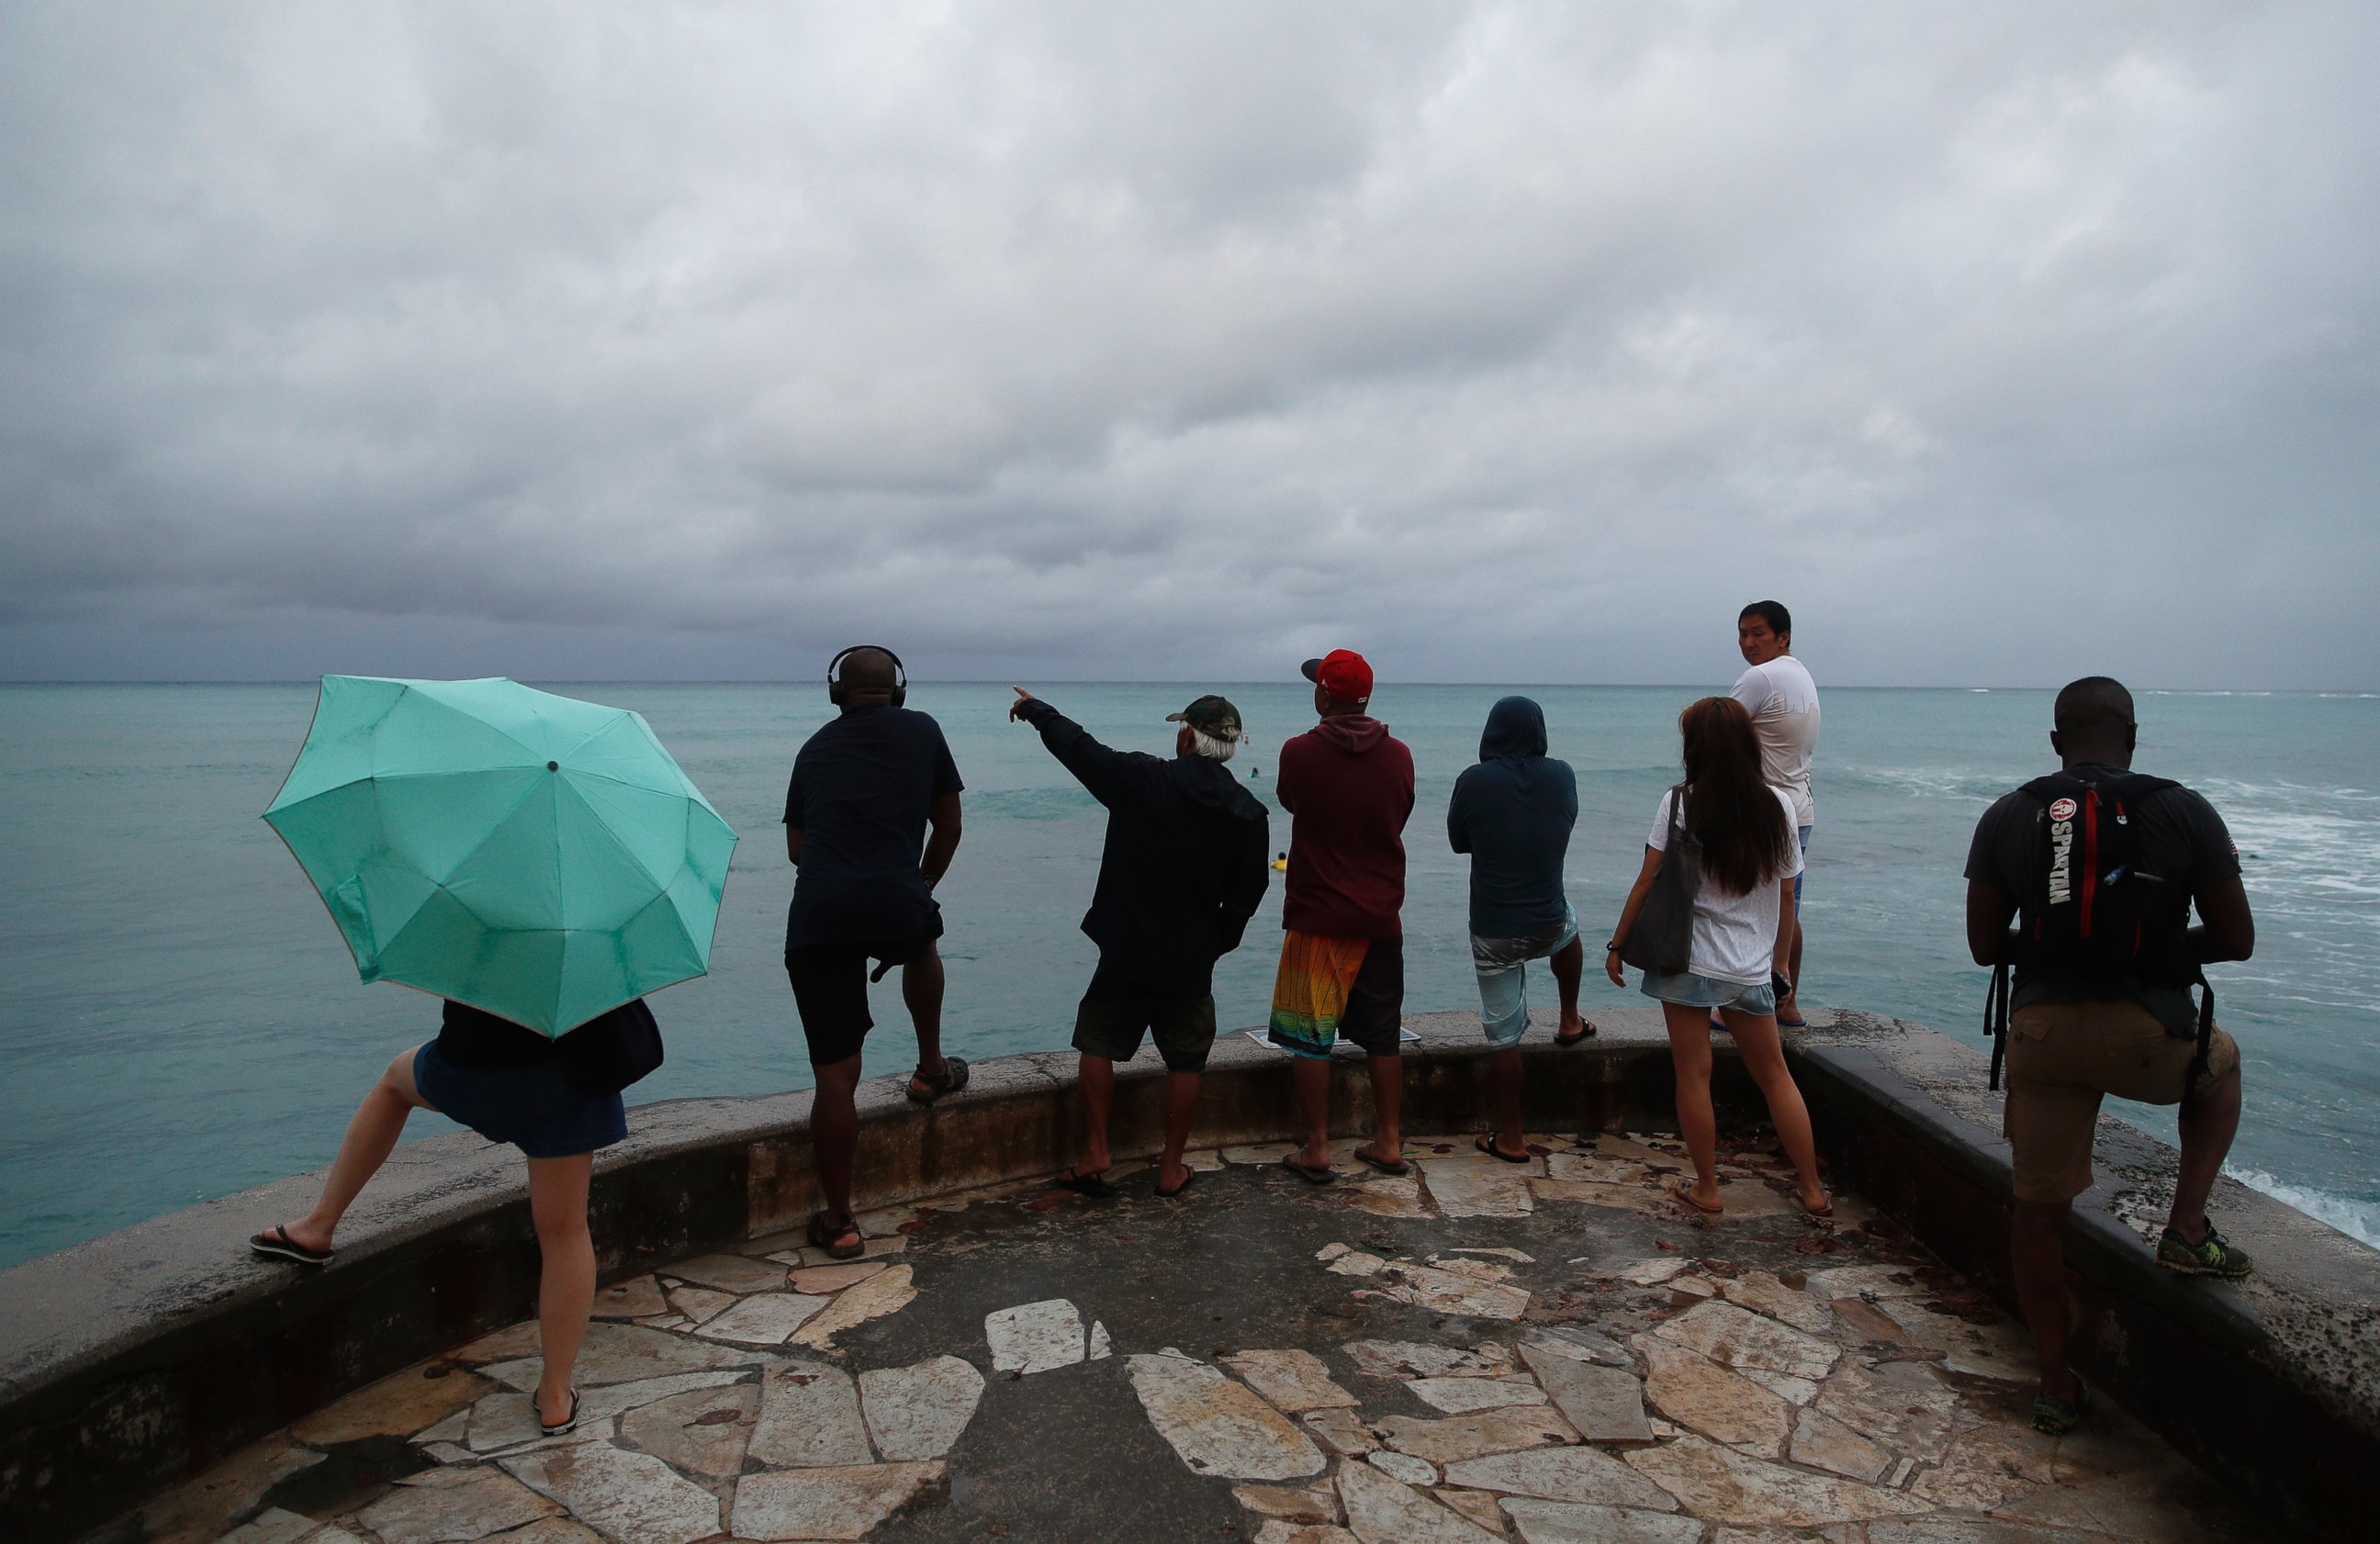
(1291, 1504)
(1463, 1263)
(1035, 1337)
(1763, 1293)
(1735, 1337)
(1721, 1485)
(1461, 1396)
(729, 1272)
(887, 1292)
(915, 1413)
(1382, 1509)
(1654, 1271)
(1404, 1467)
(545, 1531)
(634, 1498)
(1216, 1425)
(1387, 1194)
(1564, 1474)
(1903, 1405)
(1401, 1359)
(1695, 1391)
(763, 1319)
(451, 1429)
(1989, 1467)
(1279, 1532)
(1993, 1530)
(1996, 1351)
(695, 1304)
(1541, 1522)
(442, 1505)
(1864, 1280)
(1480, 1506)
(1293, 1380)
(1456, 1438)
(810, 1419)
(1473, 1189)
(1581, 1345)
(272, 1526)
(1606, 1404)
(622, 1353)
(1792, 1391)
(1820, 1442)
(505, 1420)
(637, 1297)
(1101, 1345)
(1647, 1200)
(1340, 1431)
(203, 1508)
(1426, 1286)
(838, 1503)
(395, 1407)
(1598, 1168)
(703, 1432)
(824, 1281)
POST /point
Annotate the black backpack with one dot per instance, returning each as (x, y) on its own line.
(2095, 912)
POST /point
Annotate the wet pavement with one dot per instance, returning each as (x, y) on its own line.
(1548, 1353)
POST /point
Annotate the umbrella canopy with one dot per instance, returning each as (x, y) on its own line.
(536, 856)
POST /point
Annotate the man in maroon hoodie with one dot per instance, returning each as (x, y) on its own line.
(1348, 786)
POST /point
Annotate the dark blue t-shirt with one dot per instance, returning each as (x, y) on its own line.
(860, 791)
(1514, 812)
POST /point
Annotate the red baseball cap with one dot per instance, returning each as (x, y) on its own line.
(1343, 673)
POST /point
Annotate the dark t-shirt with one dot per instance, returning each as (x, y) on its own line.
(2184, 841)
(860, 791)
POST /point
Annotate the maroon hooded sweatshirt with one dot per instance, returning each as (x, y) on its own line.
(1348, 785)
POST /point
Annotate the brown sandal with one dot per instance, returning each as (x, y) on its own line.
(827, 1238)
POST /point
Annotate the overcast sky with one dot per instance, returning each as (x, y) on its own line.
(1505, 343)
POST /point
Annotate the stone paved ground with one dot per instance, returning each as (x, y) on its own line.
(1552, 1354)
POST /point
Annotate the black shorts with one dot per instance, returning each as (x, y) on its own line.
(1116, 1012)
(830, 990)
(1375, 1016)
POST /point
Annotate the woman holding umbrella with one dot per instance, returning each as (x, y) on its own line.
(540, 864)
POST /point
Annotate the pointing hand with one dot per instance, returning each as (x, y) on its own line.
(1023, 696)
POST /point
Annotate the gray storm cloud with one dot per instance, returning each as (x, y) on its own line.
(1504, 341)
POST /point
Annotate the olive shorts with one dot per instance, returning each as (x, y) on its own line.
(2062, 1058)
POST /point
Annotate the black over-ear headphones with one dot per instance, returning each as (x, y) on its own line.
(834, 678)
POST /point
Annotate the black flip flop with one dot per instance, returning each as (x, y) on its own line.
(950, 1082)
(1092, 1185)
(1189, 1178)
(567, 1422)
(1383, 1165)
(1322, 1176)
(278, 1245)
(822, 1239)
(1485, 1142)
(1566, 1042)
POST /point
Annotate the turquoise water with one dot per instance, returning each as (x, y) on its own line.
(181, 1019)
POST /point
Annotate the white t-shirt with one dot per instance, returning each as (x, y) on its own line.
(1783, 702)
(1735, 937)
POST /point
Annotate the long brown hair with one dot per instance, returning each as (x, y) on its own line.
(1730, 809)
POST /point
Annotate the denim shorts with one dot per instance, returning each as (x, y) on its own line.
(536, 1108)
(1693, 991)
(1502, 967)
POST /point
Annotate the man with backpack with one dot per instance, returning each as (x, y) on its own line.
(2100, 867)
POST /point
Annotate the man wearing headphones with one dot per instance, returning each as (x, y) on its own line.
(865, 788)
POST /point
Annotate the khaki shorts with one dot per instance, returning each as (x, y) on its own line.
(2062, 1057)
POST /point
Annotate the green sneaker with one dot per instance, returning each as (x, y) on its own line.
(2209, 1257)
(2055, 1417)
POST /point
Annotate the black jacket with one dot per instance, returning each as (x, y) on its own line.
(1184, 863)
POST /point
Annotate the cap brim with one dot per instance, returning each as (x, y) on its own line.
(1312, 671)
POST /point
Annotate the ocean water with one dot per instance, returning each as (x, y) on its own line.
(179, 1018)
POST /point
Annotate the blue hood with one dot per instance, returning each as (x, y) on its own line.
(1515, 735)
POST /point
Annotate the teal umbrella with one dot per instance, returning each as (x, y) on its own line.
(536, 856)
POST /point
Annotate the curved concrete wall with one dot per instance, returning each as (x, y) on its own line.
(131, 1362)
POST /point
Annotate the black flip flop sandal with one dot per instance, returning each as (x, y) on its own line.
(1093, 1185)
(278, 1245)
(822, 1239)
(1485, 1142)
(567, 1422)
(1566, 1042)
(1189, 1178)
(950, 1082)
(1322, 1176)
(1385, 1166)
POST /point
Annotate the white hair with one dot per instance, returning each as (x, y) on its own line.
(1211, 746)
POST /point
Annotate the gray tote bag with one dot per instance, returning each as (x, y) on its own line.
(1661, 939)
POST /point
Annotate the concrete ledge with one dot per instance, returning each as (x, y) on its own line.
(134, 1361)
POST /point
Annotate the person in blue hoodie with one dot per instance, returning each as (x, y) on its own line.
(1512, 813)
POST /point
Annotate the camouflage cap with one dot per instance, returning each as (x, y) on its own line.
(1213, 716)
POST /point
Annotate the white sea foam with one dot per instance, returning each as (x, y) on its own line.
(2358, 1219)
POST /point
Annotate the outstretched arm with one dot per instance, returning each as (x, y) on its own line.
(1105, 772)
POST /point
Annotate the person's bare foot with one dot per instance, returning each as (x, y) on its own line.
(308, 1234)
(552, 1407)
(1702, 1196)
(1575, 1027)
(1315, 1155)
(1815, 1201)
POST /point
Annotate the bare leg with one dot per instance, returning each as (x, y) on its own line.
(565, 1293)
(371, 1136)
(1180, 1108)
(921, 992)
(834, 1134)
(1097, 1075)
(1568, 964)
(1388, 1105)
(1505, 1094)
(2207, 1133)
(1309, 1080)
(1789, 1005)
(2037, 1251)
(1690, 1053)
(1764, 1057)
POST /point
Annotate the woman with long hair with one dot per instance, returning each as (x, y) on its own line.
(1743, 907)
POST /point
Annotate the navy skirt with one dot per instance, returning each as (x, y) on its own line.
(536, 1108)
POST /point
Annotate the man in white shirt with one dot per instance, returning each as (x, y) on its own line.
(1783, 701)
